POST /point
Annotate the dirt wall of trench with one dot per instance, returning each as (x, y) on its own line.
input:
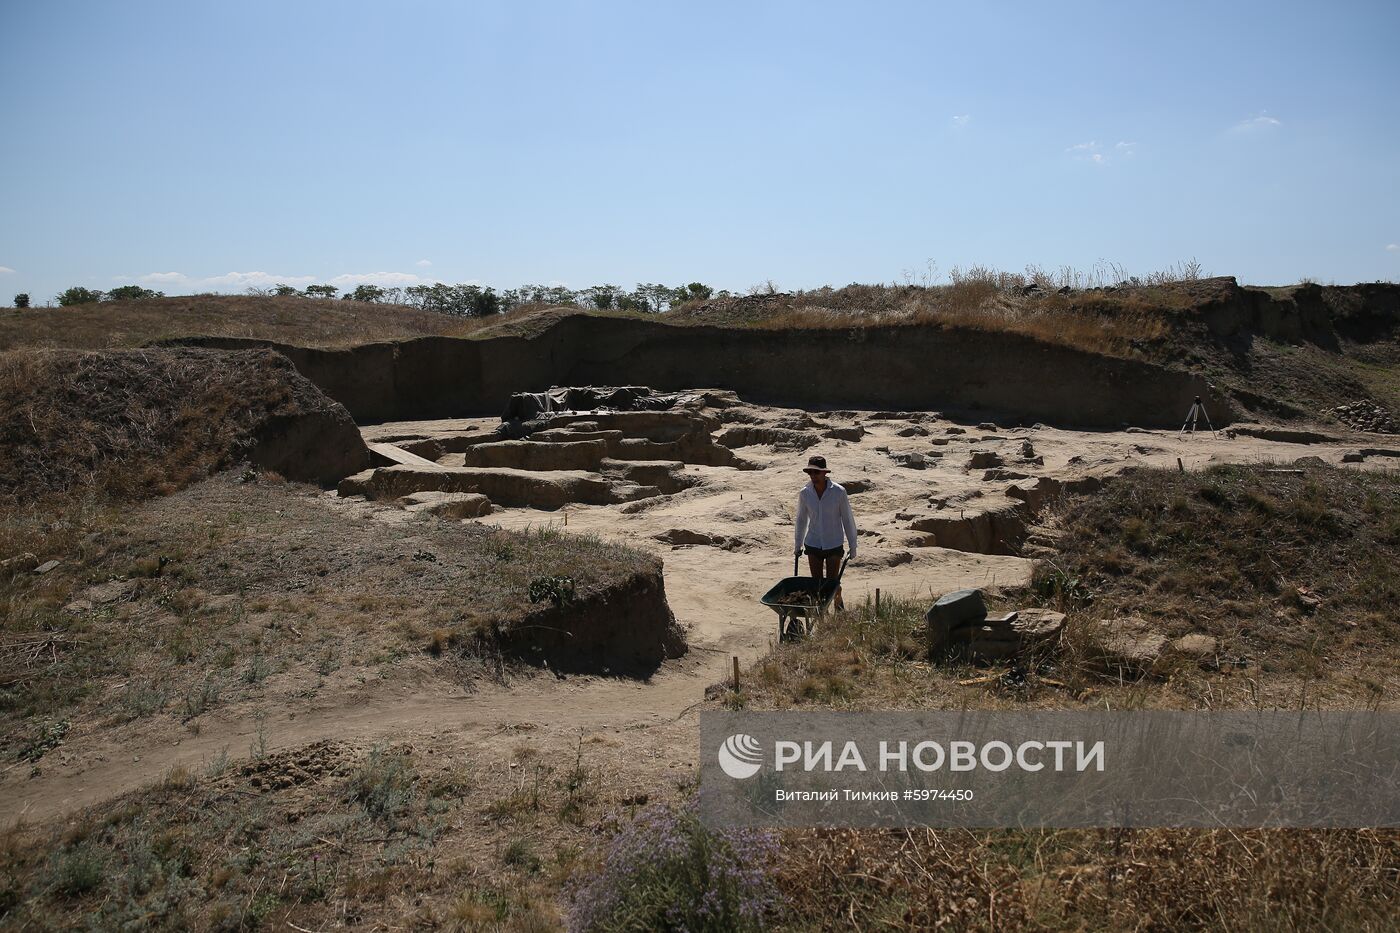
(908, 367)
(626, 629)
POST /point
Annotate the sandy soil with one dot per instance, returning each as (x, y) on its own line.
(647, 730)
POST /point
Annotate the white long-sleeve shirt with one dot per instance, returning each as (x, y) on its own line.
(822, 521)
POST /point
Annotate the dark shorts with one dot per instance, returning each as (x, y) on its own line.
(823, 551)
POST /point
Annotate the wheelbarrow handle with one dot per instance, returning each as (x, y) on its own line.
(796, 559)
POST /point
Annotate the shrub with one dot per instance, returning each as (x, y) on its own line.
(77, 871)
(365, 293)
(666, 871)
(77, 295)
(47, 740)
(384, 784)
(695, 291)
(466, 300)
(557, 590)
(132, 293)
(601, 297)
(22, 300)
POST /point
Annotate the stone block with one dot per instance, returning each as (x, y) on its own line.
(451, 506)
(1039, 626)
(984, 460)
(953, 610)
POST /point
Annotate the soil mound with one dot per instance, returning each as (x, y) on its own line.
(143, 422)
(1293, 569)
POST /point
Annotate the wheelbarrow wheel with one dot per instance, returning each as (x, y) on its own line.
(791, 626)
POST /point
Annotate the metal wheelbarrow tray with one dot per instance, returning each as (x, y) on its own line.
(799, 601)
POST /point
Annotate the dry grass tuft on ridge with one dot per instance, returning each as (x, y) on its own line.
(309, 322)
(138, 423)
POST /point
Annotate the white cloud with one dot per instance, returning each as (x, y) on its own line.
(1096, 154)
(1392, 247)
(6, 270)
(385, 279)
(1088, 152)
(423, 263)
(242, 280)
(1262, 121)
(962, 119)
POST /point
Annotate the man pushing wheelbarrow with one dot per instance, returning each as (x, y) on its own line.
(824, 521)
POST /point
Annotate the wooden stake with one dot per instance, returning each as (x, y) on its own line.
(1180, 466)
(736, 673)
(877, 602)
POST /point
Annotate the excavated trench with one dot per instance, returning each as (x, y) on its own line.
(924, 486)
(602, 458)
(904, 366)
(615, 458)
(1002, 528)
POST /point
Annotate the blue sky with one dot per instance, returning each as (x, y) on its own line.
(201, 146)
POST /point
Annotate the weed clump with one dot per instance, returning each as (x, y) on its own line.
(384, 784)
(666, 871)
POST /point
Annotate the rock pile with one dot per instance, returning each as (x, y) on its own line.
(684, 537)
(958, 622)
(1365, 416)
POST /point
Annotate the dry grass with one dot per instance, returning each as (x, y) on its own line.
(921, 879)
(136, 423)
(1111, 322)
(1117, 325)
(292, 320)
(325, 836)
(1296, 574)
(1120, 320)
(250, 590)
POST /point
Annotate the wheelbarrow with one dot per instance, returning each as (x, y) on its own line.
(800, 601)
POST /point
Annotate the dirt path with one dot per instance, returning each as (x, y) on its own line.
(713, 590)
(713, 593)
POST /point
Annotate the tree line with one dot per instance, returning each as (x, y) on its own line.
(483, 300)
(465, 300)
(78, 295)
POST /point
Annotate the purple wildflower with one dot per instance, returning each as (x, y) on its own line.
(666, 871)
